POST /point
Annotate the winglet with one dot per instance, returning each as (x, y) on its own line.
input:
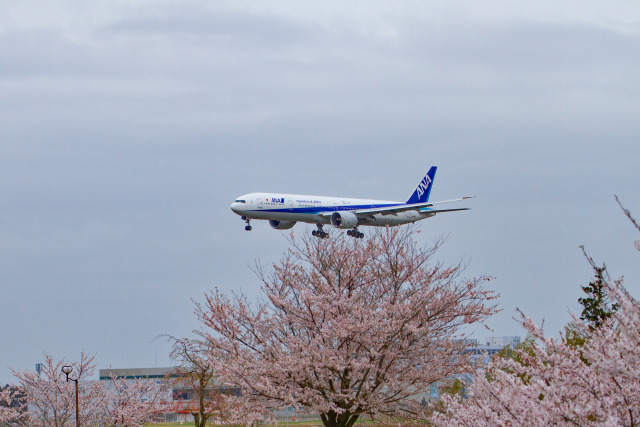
(421, 194)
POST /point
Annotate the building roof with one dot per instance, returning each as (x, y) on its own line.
(137, 373)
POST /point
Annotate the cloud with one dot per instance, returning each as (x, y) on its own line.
(127, 129)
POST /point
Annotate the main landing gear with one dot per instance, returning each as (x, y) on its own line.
(355, 233)
(319, 232)
(248, 221)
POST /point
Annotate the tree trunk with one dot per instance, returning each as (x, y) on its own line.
(332, 419)
(200, 419)
(202, 415)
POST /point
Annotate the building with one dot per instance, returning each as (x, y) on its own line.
(180, 401)
(502, 341)
(491, 345)
(158, 374)
(482, 353)
(161, 376)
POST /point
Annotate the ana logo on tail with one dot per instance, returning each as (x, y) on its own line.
(422, 187)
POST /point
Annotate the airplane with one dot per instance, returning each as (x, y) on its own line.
(284, 210)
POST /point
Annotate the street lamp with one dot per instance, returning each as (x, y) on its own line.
(66, 369)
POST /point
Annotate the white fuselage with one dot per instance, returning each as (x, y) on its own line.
(317, 209)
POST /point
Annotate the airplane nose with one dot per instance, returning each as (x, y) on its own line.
(237, 207)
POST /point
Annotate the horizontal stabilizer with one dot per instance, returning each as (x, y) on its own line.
(443, 210)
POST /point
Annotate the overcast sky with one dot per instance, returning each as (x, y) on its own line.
(128, 127)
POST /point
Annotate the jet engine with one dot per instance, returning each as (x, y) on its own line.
(281, 225)
(344, 220)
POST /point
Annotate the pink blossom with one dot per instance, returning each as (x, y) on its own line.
(51, 399)
(347, 327)
(596, 384)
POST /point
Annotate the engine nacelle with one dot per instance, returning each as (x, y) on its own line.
(344, 220)
(281, 225)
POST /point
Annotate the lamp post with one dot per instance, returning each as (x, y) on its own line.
(66, 369)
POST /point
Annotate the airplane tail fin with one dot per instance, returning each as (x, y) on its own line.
(421, 194)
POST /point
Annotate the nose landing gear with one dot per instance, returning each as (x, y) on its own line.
(355, 233)
(248, 221)
(319, 232)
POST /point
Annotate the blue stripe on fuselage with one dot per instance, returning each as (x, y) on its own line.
(318, 210)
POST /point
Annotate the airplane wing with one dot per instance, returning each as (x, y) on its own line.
(394, 210)
(422, 207)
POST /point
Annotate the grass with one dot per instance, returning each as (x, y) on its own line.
(316, 423)
(278, 424)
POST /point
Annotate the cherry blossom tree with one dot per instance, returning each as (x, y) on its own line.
(631, 218)
(593, 381)
(347, 327)
(133, 402)
(561, 384)
(50, 399)
(12, 406)
(197, 375)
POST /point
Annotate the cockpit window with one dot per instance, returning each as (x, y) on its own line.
(241, 201)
